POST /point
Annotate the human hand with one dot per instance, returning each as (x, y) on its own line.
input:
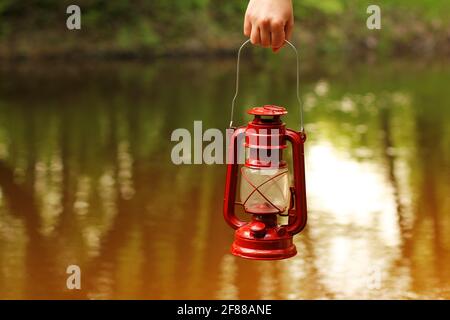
(269, 22)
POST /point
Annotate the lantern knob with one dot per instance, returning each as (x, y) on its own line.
(258, 229)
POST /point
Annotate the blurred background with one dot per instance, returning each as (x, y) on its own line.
(85, 170)
(124, 28)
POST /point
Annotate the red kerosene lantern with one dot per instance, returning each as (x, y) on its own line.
(265, 191)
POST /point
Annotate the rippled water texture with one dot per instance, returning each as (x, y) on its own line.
(86, 179)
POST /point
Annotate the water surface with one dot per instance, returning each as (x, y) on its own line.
(86, 179)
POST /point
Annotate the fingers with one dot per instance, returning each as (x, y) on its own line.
(269, 22)
(255, 36)
(268, 32)
(287, 28)
(264, 32)
(277, 35)
(247, 26)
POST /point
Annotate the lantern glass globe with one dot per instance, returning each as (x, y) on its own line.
(264, 190)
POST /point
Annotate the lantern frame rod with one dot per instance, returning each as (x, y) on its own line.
(297, 83)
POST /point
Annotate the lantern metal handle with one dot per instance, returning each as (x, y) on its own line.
(237, 83)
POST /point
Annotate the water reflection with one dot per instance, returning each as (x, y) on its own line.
(86, 179)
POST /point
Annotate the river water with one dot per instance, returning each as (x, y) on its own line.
(86, 178)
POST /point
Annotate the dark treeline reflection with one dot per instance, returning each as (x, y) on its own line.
(86, 179)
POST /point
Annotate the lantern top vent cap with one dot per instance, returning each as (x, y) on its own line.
(268, 110)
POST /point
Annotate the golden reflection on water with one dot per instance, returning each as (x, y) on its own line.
(86, 179)
(358, 203)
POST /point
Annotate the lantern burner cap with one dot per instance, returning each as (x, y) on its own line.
(268, 110)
